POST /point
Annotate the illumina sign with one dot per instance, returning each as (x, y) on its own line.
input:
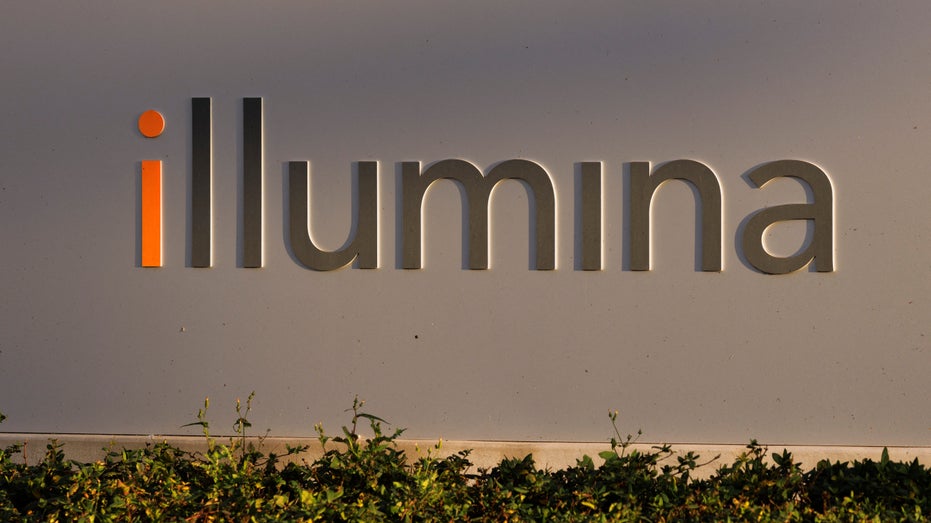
(490, 220)
(363, 245)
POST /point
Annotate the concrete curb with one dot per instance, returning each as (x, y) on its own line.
(483, 454)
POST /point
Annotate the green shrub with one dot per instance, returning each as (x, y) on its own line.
(369, 479)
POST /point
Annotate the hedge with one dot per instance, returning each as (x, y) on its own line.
(367, 478)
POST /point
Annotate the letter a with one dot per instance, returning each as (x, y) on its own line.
(821, 212)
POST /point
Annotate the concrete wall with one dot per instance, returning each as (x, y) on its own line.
(94, 343)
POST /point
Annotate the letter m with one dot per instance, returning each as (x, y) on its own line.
(478, 190)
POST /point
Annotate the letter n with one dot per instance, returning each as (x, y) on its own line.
(642, 187)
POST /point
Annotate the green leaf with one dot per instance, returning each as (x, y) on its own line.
(370, 417)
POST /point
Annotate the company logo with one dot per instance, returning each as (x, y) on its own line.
(477, 186)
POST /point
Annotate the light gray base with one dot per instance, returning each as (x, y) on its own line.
(484, 454)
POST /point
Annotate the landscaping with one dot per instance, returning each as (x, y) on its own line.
(364, 477)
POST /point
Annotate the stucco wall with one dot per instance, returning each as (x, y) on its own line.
(93, 342)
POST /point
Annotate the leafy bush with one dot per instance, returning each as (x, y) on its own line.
(369, 479)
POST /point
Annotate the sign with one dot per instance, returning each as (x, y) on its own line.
(490, 222)
(477, 191)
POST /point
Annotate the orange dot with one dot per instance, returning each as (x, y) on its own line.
(151, 123)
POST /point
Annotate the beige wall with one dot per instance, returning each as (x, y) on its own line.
(91, 342)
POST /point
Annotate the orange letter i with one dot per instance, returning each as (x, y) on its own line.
(151, 125)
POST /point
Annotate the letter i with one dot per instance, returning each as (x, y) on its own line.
(592, 216)
(151, 125)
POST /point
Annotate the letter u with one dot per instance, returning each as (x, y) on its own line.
(364, 244)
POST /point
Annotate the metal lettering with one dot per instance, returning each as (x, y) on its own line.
(364, 244)
(252, 182)
(592, 216)
(201, 183)
(478, 193)
(820, 211)
(643, 186)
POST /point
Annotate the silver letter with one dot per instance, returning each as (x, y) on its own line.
(591, 216)
(365, 242)
(201, 183)
(642, 187)
(478, 192)
(820, 211)
(252, 182)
